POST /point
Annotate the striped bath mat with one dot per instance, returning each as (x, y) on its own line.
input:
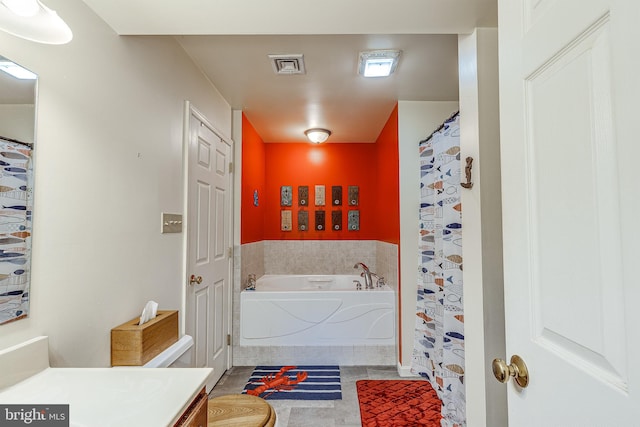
(295, 383)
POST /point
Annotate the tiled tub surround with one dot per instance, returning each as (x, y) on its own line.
(251, 261)
(317, 256)
(312, 257)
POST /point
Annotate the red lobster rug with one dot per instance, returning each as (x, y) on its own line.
(395, 403)
(295, 383)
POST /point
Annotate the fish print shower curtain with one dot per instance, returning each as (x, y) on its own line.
(16, 198)
(438, 353)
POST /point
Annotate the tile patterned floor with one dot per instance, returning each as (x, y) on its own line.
(309, 413)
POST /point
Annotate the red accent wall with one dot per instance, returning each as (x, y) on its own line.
(372, 167)
(328, 165)
(387, 165)
(253, 178)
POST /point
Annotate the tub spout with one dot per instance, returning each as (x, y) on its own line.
(366, 273)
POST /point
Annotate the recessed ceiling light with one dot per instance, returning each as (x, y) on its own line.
(16, 71)
(378, 63)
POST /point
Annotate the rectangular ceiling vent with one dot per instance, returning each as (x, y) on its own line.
(287, 64)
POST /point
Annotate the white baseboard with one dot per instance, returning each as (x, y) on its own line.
(405, 371)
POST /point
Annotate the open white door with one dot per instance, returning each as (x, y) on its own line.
(208, 259)
(570, 137)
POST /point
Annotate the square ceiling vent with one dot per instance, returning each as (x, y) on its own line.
(288, 64)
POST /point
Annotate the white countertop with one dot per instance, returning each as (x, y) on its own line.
(118, 397)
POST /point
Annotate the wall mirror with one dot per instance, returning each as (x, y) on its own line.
(17, 136)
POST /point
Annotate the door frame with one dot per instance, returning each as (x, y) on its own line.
(190, 109)
(484, 324)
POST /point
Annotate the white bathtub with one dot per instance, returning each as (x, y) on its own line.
(309, 310)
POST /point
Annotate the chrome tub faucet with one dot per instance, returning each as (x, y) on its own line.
(368, 282)
(380, 280)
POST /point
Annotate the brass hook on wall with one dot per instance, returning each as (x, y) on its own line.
(467, 172)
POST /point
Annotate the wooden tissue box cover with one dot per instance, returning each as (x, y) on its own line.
(135, 345)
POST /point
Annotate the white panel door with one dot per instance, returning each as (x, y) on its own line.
(569, 89)
(209, 260)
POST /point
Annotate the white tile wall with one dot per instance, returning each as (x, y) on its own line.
(312, 257)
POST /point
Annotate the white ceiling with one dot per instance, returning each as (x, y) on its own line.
(331, 94)
(230, 40)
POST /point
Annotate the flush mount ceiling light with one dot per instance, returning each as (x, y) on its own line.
(317, 135)
(31, 20)
(378, 63)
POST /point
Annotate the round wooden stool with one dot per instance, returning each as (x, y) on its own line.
(240, 410)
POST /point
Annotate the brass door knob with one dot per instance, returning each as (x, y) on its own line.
(517, 369)
(193, 280)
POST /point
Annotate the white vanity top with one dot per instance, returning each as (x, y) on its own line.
(98, 397)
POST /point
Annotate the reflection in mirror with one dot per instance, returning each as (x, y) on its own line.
(17, 103)
(17, 130)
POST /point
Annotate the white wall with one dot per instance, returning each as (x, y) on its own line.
(482, 230)
(108, 161)
(16, 121)
(416, 121)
